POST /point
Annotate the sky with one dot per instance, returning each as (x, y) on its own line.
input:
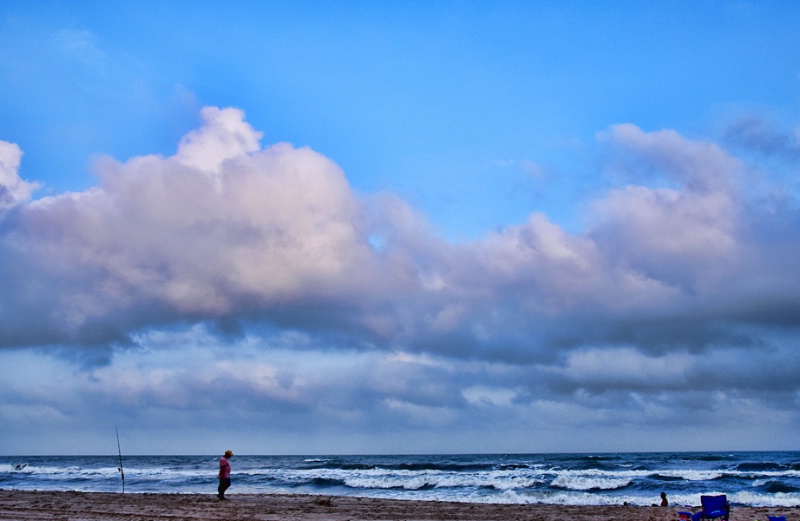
(399, 227)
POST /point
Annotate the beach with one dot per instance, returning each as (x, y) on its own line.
(95, 506)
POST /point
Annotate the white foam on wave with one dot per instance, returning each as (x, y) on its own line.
(595, 479)
(558, 498)
(417, 479)
(59, 472)
(689, 474)
(52, 473)
(778, 499)
(590, 482)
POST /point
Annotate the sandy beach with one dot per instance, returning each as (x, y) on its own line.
(96, 506)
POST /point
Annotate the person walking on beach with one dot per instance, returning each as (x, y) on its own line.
(224, 474)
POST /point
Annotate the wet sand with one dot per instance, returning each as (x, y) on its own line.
(96, 506)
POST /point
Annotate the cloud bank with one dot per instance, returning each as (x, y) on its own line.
(681, 293)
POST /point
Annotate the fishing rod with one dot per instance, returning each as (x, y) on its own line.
(121, 471)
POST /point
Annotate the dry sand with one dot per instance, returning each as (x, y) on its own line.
(95, 506)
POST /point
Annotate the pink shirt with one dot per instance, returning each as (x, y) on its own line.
(224, 467)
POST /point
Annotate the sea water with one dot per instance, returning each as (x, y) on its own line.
(747, 478)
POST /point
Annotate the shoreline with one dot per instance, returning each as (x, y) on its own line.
(19, 505)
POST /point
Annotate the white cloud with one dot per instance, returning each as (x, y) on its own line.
(13, 190)
(626, 367)
(489, 396)
(223, 136)
(270, 226)
(309, 302)
(228, 231)
(684, 235)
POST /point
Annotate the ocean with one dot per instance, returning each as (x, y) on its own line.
(748, 478)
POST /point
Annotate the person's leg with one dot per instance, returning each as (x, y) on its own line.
(224, 483)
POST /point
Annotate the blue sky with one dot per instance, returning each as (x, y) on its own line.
(399, 227)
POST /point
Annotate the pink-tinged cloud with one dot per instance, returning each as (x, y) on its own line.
(684, 234)
(230, 232)
(13, 190)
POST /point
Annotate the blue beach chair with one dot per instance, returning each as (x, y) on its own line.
(713, 507)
